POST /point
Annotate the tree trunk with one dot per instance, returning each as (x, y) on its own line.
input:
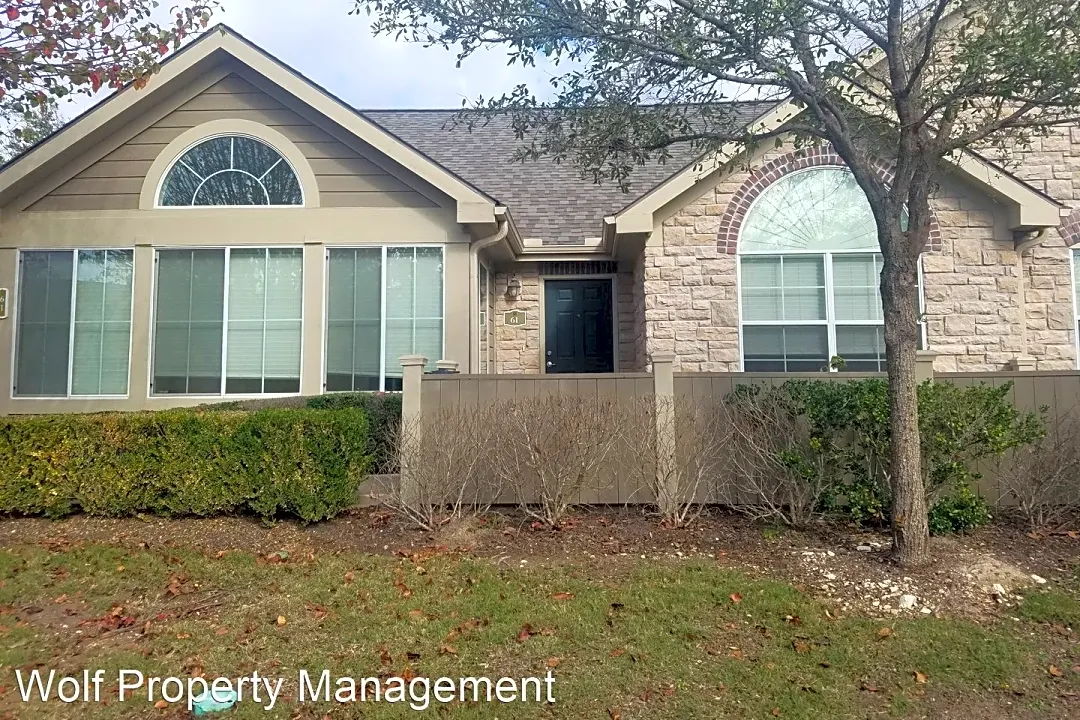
(899, 295)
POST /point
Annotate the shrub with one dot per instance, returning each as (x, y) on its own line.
(550, 448)
(446, 466)
(383, 411)
(183, 462)
(958, 512)
(835, 435)
(1044, 478)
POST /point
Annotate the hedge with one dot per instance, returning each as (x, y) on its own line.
(383, 412)
(272, 463)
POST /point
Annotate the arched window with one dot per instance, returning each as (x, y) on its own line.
(809, 271)
(230, 170)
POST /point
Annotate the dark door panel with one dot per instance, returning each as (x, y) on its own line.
(579, 326)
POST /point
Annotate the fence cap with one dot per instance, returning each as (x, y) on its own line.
(665, 357)
(412, 360)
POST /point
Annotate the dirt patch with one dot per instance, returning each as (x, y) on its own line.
(849, 569)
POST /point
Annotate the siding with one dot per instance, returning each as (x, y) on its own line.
(345, 177)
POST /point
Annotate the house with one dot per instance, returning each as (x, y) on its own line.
(235, 230)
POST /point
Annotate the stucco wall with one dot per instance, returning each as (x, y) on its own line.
(972, 309)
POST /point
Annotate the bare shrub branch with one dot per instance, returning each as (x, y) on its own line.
(550, 448)
(677, 449)
(776, 470)
(446, 466)
(1044, 477)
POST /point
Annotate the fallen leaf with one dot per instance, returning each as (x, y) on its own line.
(800, 646)
(447, 650)
(644, 697)
(553, 662)
(735, 598)
(884, 633)
(385, 658)
(221, 631)
(868, 688)
(737, 653)
(613, 715)
(617, 652)
(280, 619)
(1055, 671)
(161, 704)
(416, 614)
(349, 577)
(408, 674)
(920, 677)
(793, 620)
(525, 633)
(776, 712)
(563, 596)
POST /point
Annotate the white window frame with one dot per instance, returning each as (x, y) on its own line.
(382, 306)
(206, 138)
(71, 331)
(224, 321)
(830, 321)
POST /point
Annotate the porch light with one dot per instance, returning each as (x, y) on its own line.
(513, 287)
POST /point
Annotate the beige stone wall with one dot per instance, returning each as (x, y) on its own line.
(972, 307)
(517, 349)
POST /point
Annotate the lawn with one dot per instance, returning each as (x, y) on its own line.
(625, 638)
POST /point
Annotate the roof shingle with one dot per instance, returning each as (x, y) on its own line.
(550, 201)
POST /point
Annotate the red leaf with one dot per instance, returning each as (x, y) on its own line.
(735, 598)
(13, 13)
(525, 633)
(563, 596)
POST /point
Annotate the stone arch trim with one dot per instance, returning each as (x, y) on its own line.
(727, 241)
(1070, 229)
(288, 150)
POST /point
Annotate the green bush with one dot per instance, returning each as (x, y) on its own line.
(958, 512)
(383, 412)
(847, 423)
(184, 462)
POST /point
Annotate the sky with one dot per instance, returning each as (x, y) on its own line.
(338, 51)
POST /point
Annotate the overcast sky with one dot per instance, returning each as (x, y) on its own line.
(337, 50)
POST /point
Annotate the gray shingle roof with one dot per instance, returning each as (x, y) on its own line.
(549, 201)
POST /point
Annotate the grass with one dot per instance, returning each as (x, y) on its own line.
(634, 640)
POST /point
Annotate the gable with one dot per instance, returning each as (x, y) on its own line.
(358, 163)
(345, 177)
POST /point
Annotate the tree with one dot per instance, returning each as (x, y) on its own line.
(24, 130)
(50, 49)
(913, 81)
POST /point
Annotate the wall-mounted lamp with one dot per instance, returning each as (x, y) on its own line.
(513, 287)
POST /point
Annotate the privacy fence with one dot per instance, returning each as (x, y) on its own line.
(1054, 393)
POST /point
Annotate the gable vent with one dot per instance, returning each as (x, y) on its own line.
(580, 267)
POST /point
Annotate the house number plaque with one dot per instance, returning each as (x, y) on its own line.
(514, 318)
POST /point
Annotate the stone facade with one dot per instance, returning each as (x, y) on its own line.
(970, 275)
(681, 295)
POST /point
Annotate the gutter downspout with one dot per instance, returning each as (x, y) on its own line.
(1024, 361)
(474, 292)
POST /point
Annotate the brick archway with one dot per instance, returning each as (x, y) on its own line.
(1070, 229)
(727, 240)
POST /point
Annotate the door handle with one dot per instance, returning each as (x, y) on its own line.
(550, 364)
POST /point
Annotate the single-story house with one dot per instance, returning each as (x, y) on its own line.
(235, 230)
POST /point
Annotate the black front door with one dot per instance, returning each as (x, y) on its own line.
(578, 337)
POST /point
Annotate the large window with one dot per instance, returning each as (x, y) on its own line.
(809, 277)
(228, 321)
(230, 170)
(73, 335)
(382, 303)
